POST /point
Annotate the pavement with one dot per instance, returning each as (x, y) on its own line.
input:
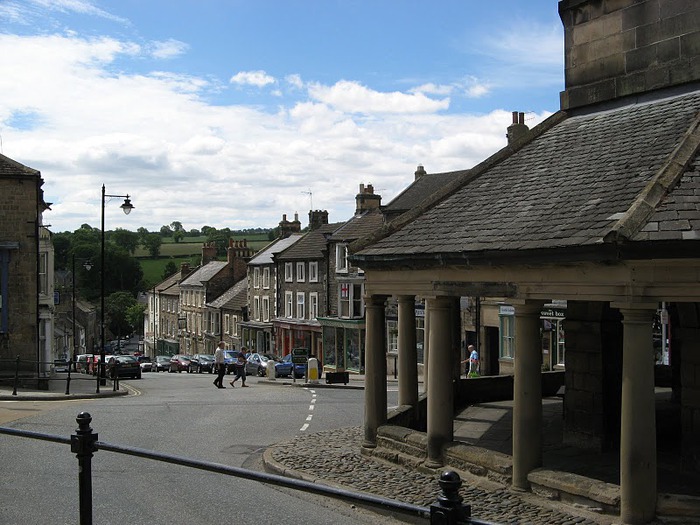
(335, 458)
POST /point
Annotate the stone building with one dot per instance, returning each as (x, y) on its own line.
(597, 206)
(26, 272)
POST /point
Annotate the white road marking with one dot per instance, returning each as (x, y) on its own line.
(304, 427)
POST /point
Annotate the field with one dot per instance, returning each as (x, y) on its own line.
(182, 252)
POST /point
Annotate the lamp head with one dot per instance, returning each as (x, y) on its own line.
(127, 206)
(87, 265)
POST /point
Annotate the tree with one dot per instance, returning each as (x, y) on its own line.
(178, 235)
(165, 231)
(220, 238)
(170, 268)
(125, 238)
(176, 226)
(152, 244)
(116, 307)
(135, 316)
(143, 233)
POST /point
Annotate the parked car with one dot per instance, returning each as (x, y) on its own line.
(96, 360)
(230, 357)
(123, 366)
(162, 363)
(299, 368)
(179, 363)
(82, 362)
(257, 365)
(202, 363)
(147, 364)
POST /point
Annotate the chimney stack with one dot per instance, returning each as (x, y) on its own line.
(518, 128)
(317, 218)
(208, 252)
(184, 270)
(420, 171)
(366, 200)
(238, 254)
(289, 227)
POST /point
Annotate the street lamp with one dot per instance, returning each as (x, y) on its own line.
(126, 208)
(88, 266)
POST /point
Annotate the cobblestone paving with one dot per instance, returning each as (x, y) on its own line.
(336, 458)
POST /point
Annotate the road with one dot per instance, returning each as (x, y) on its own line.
(181, 414)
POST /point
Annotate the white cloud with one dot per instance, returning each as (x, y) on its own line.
(252, 78)
(156, 137)
(168, 49)
(352, 97)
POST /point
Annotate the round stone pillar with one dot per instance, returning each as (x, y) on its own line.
(375, 368)
(527, 394)
(638, 490)
(440, 387)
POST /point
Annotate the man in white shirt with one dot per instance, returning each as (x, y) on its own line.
(220, 365)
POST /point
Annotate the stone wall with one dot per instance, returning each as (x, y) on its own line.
(626, 47)
(20, 199)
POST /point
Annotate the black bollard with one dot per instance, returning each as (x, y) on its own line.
(70, 365)
(14, 387)
(449, 509)
(82, 444)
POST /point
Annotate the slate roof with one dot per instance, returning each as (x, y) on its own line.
(235, 298)
(419, 190)
(311, 246)
(359, 226)
(9, 167)
(265, 255)
(581, 180)
(204, 273)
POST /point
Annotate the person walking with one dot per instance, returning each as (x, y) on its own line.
(220, 365)
(240, 368)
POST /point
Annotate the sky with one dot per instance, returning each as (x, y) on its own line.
(232, 113)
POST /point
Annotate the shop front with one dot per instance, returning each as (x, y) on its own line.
(553, 343)
(343, 345)
(298, 334)
(257, 337)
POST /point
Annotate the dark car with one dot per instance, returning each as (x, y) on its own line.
(123, 366)
(299, 368)
(179, 363)
(202, 363)
(161, 363)
(257, 365)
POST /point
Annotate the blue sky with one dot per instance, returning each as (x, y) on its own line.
(233, 113)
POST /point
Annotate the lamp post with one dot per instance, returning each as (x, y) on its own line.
(126, 208)
(87, 265)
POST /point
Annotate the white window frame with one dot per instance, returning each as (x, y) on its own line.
(288, 304)
(341, 258)
(256, 277)
(301, 305)
(256, 308)
(351, 300)
(265, 308)
(234, 325)
(313, 271)
(266, 278)
(301, 274)
(288, 272)
(227, 320)
(313, 305)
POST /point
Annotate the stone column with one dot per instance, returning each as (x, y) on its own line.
(426, 345)
(375, 368)
(408, 366)
(638, 422)
(440, 387)
(527, 394)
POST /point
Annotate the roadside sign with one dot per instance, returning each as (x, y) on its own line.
(300, 351)
(299, 356)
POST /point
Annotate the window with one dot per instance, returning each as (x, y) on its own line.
(227, 320)
(341, 258)
(350, 300)
(392, 341)
(506, 319)
(288, 270)
(233, 330)
(313, 305)
(266, 308)
(301, 297)
(300, 272)
(288, 298)
(313, 272)
(256, 277)
(256, 308)
(214, 322)
(266, 278)
(43, 278)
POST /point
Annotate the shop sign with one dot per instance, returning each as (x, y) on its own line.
(551, 313)
(506, 310)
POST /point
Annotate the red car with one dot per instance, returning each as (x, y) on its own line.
(179, 363)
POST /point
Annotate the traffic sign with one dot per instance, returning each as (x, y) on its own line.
(300, 351)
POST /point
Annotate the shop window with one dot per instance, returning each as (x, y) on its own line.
(507, 330)
(330, 355)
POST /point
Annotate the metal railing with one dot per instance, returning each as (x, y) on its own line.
(448, 509)
(18, 378)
